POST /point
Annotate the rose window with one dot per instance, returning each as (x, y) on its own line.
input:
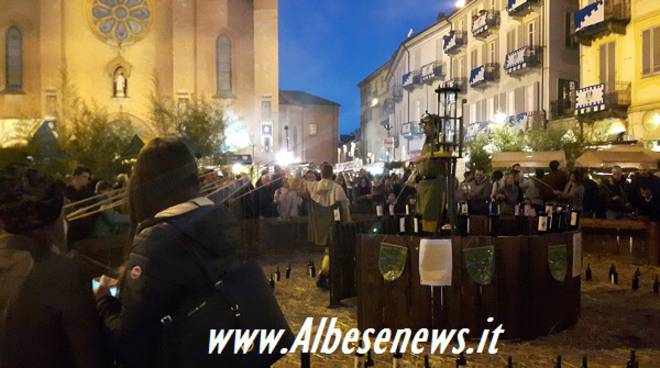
(120, 21)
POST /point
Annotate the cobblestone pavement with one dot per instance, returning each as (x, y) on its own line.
(614, 320)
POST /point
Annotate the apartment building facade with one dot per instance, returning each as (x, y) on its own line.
(376, 106)
(515, 61)
(620, 68)
(418, 68)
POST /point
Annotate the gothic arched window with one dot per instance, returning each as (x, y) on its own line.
(223, 66)
(14, 59)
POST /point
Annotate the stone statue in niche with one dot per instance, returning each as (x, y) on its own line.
(120, 84)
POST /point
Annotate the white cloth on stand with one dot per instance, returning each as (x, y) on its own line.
(435, 262)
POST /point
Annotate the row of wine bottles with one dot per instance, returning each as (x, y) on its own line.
(553, 218)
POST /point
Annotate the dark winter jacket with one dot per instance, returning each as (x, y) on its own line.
(160, 273)
(47, 314)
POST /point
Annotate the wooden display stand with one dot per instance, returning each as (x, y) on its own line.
(523, 294)
(614, 236)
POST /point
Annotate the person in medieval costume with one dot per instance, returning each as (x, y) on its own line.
(432, 175)
(325, 195)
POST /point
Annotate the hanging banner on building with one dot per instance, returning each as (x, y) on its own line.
(478, 76)
(407, 80)
(450, 41)
(516, 60)
(431, 72)
(480, 24)
(591, 16)
(517, 6)
(590, 99)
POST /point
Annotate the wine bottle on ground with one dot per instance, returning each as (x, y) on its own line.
(278, 275)
(656, 286)
(311, 269)
(587, 273)
(613, 275)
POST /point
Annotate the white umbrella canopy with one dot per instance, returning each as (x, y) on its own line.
(633, 157)
(527, 159)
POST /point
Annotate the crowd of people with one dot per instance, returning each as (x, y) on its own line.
(614, 197)
(51, 317)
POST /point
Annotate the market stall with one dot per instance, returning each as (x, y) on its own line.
(625, 156)
(527, 159)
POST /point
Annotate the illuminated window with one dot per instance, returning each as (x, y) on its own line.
(14, 60)
(651, 51)
(223, 66)
(313, 129)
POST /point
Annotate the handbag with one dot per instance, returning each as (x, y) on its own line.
(239, 299)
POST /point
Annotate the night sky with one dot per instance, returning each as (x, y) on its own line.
(328, 46)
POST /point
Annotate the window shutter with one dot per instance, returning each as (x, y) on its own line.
(611, 72)
(603, 64)
(485, 59)
(656, 49)
(537, 32)
(438, 49)
(510, 40)
(502, 103)
(646, 52)
(520, 100)
(511, 103)
(522, 36)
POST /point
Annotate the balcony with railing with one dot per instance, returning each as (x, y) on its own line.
(453, 42)
(431, 72)
(562, 109)
(410, 79)
(520, 8)
(522, 60)
(527, 120)
(485, 23)
(600, 19)
(457, 83)
(482, 76)
(602, 101)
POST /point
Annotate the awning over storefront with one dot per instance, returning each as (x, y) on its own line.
(634, 157)
(527, 159)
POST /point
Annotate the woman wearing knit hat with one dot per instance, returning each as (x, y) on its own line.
(47, 313)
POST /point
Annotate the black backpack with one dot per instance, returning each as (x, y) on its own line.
(238, 299)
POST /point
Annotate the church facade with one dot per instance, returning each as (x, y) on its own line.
(119, 54)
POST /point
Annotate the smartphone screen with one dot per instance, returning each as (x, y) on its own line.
(113, 290)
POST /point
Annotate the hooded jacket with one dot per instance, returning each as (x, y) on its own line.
(159, 273)
(47, 314)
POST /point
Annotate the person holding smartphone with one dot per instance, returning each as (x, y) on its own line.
(47, 313)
